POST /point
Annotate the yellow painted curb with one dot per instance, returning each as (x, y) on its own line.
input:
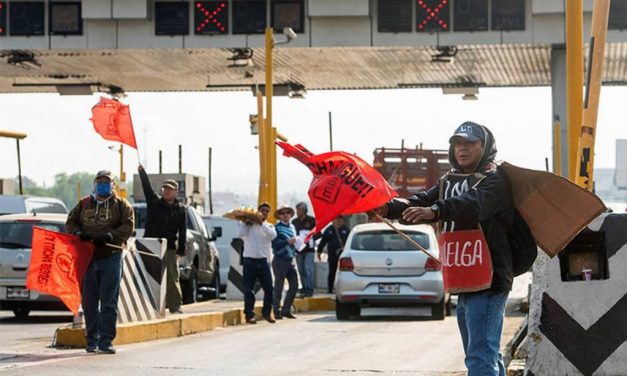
(182, 325)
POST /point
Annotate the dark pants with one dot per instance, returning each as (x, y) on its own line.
(284, 269)
(333, 260)
(257, 269)
(101, 289)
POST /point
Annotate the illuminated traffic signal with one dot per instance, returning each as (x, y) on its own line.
(211, 17)
(3, 18)
(432, 15)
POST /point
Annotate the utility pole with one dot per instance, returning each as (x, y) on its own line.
(209, 185)
(122, 185)
(17, 136)
(330, 132)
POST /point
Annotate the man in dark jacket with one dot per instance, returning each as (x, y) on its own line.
(105, 219)
(304, 223)
(166, 218)
(474, 194)
(334, 239)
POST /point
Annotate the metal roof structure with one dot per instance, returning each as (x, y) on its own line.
(311, 68)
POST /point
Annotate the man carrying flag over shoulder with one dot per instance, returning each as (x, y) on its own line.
(105, 219)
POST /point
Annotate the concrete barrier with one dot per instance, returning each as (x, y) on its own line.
(182, 325)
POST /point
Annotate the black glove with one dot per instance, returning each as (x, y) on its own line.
(102, 239)
(82, 236)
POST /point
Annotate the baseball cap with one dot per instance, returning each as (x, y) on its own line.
(469, 131)
(104, 174)
(170, 183)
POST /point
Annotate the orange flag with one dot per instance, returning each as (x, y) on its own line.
(57, 264)
(112, 120)
(342, 183)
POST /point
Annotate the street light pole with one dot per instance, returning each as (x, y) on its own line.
(17, 136)
(122, 185)
(269, 131)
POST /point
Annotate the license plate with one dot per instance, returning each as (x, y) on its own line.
(389, 288)
(17, 293)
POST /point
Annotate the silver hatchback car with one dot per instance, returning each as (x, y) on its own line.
(16, 233)
(379, 268)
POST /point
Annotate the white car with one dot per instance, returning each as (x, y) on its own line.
(379, 268)
(16, 204)
(16, 233)
(225, 230)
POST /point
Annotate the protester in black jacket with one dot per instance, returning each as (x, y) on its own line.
(166, 218)
(474, 194)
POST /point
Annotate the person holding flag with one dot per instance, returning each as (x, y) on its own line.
(474, 195)
(108, 221)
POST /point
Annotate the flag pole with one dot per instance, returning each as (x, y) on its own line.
(412, 241)
(131, 250)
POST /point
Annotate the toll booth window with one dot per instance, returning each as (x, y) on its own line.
(288, 13)
(3, 18)
(470, 15)
(211, 17)
(26, 18)
(65, 18)
(508, 15)
(394, 16)
(432, 15)
(172, 18)
(618, 15)
(585, 257)
(249, 16)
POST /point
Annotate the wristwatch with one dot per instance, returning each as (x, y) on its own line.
(436, 210)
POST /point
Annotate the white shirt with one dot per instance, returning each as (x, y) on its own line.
(257, 239)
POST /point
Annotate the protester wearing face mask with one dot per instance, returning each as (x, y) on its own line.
(105, 219)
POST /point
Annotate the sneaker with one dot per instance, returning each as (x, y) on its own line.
(269, 319)
(308, 294)
(278, 316)
(107, 350)
(91, 349)
(251, 320)
(177, 311)
(289, 315)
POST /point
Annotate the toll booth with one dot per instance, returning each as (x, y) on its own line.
(7, 186)
(191, 188)
(579, 304)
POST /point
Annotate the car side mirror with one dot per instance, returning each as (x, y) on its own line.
(216, 233)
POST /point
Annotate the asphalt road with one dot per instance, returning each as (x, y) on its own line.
(313, 344)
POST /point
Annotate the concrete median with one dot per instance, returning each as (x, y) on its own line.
(196, 321)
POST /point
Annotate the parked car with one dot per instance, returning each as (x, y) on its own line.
(379, 268)
(199, 268)
(16, 204)
(225, 230)
(16, 233)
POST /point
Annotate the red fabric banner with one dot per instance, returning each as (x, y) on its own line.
(466, 261)
(57, 265)
(342, 184)
(112, 120)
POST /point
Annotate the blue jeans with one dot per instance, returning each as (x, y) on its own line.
(257, 269)
(101, 290)
(284, 269)
(480, 321)
(305, 262)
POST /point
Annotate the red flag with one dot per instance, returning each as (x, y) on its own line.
(57, 265)
(342, 183)
(112, 120)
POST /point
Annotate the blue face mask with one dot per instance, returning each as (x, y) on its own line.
(104, 189)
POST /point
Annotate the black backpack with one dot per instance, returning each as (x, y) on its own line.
(522, 244)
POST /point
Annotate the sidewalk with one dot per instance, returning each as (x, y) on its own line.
(198, 317)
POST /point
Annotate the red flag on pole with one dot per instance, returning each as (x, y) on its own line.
(342, 183)
(112, 120)
(57, 265)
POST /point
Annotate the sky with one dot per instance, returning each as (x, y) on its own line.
(62, 139)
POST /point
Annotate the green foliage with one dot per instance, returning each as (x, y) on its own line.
(65, 187)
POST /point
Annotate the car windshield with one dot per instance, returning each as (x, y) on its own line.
(140, 217)
(20, 234)
(388, 241)
(46, 207)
